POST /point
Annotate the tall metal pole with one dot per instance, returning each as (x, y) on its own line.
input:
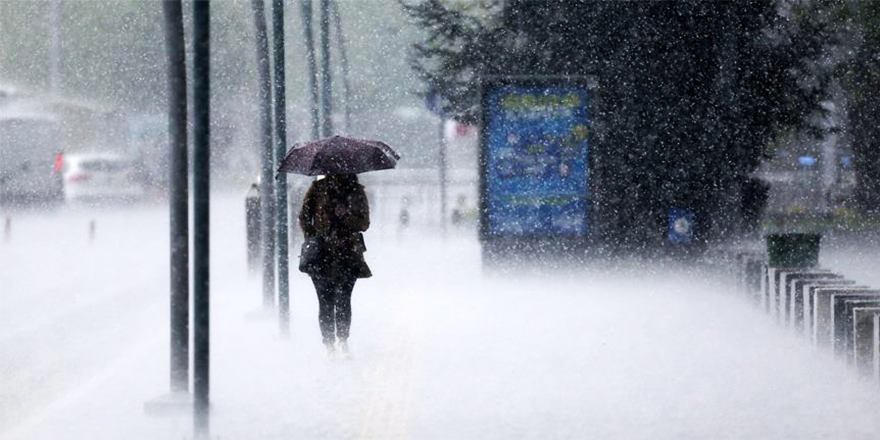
(442, 165)
(201, 213)
(55, 48)
(340, 42)
(267, 177)
(726, 96)
(280, 151)
(326, 92)
(179, 195)
(306, 13)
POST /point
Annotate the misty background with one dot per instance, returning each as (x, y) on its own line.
(781, 137)
(111, 71)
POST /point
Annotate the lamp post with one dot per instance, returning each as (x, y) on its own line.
(343, 59)
(201, 215)
(280, 150)
(267, 176)
(306, 13)
(326, 83)
(178, 195)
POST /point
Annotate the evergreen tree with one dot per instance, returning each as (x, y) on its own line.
(691, 91)
(859, 23)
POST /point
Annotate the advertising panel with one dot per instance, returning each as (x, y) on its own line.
(534, 158)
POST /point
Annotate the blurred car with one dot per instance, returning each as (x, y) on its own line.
(100, 177)
(29, 169)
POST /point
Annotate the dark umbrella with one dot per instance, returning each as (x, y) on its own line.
(338, 155)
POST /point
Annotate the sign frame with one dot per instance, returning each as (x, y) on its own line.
(487, 85)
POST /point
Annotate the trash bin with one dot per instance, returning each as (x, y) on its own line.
(796, 250)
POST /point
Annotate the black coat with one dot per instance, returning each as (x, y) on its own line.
(336, 212)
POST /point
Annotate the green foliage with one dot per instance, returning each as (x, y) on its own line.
(691, 91)
(859, 26)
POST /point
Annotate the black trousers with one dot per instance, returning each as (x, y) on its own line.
(334, 306)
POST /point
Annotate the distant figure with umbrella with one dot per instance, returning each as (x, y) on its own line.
(334, 215)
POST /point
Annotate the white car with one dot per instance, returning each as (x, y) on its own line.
(97, 177)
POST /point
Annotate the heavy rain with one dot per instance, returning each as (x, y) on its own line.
(439, 219)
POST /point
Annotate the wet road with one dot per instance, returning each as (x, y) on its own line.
(440, 349)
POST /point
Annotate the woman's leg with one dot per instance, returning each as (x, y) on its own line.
(344, 287)
(326, 300)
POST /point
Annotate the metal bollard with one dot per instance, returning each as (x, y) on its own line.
(842, 318)
(252, 224)
(811, 295)
(787, 289)
(825, 301)
(876, 347)
(801, 292)
(864, 329)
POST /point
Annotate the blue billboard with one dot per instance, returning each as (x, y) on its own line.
(534, 157)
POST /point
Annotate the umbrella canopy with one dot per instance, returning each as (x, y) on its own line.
(338, 155)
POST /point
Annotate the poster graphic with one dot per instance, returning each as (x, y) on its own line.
(536, 178)
(681, 226)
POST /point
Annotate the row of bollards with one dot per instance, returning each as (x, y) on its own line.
(7, 230)
(829, 310)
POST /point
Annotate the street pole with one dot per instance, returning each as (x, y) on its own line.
(267, 177)
(442, 159)
(340, 41)
(326, 92)
(201, 215)
(306, 13)
(179, 195)
(280, 151)
(55, 48)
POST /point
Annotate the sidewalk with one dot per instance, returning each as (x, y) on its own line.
(442, 352)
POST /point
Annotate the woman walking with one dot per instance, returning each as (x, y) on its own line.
(334, 215)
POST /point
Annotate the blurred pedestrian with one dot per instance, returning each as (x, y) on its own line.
(404, 212)
(458, 211)
(334, 215)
